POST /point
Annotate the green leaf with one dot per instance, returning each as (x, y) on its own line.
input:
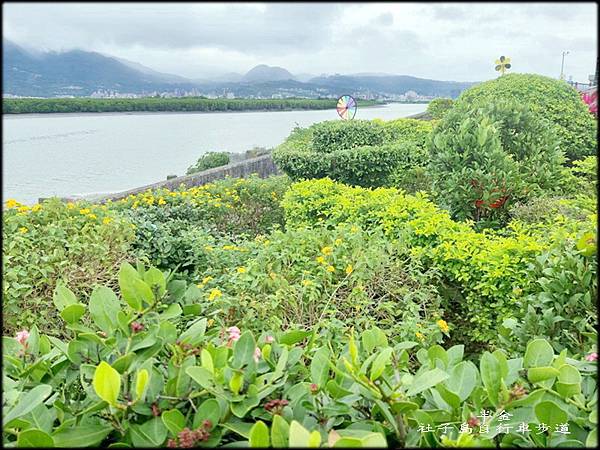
(195, 333)
(489, 368)
(241, 428)
(319, 367)
(122, 363)
(28, 402)
(299, 436)
(107, 383)
(35, 438)
(463, 379)
(259, 435)
(293, 337)
(150, 434)
(141, 382)
(73, 313)
(243, 350)
(314, 440)
(425, 380)
(568, 374)
(550, 413)
(382, 360)
(592, 439)
(63, 296)
(236, 382)
(201, 376)
(206, 361)
(208, 410)
(81, 436)
(104, 307)
(280, 432)
(127, 276)
(539, 353)
(174, 420)
(373, 338)
(537, 374)
(153, 277)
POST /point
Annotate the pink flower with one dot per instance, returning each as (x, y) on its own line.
(234, 333)
(269, 339)
(592, 357)
(22, 337)
(257, 354)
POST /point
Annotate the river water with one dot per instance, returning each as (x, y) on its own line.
(79, 154)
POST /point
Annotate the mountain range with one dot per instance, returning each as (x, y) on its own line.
(81, 73)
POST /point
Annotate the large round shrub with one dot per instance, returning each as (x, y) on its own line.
(209, 160)
(552, 99)
(485, 158)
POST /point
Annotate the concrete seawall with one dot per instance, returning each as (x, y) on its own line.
(263, 166)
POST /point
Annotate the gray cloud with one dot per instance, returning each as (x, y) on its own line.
(442, 41)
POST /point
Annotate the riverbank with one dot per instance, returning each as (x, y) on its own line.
(151, 104)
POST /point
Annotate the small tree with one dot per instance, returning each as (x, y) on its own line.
(486, 157)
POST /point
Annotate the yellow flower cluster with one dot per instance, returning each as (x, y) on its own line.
(23, 230)
(241, 270)
(327, 250)
(11, 203)
(349, 269)
(443, 325)
(214, 293)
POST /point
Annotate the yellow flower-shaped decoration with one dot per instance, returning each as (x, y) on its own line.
(327, 250)
(443, 325)
(320, 259)
(23, 208)
(36, 207)
(338, 241)
(84, 211)
(420, 335)
(92, 216)
(106, 220)
(349, 269)
(11, 203)
(23, 230)
(161, 201)
(241, 270)
(330, 269)
(307, 283)
(205, 280)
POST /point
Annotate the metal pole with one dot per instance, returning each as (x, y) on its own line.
(562, 65)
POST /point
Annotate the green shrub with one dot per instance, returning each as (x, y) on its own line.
(331, 135)
(399, 149)
(334, 279)
(545, 209)
(547, 98)
(486, 273)
(76, 243)
(486, 158)
(146, 374)
(563, 308)
(208, 161)
(438, 107)
(174, 227)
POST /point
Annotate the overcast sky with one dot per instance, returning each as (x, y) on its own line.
(450, 41)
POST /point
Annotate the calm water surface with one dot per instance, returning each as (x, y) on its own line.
(67, 154)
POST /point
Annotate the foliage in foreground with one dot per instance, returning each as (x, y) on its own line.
(145, 373)
(53, 241)
(487, 273)
(438, 107)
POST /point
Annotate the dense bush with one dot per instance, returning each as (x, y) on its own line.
(334, 279)
(76, 243)
(486, 272)
(563, 307)
(547, 98)
(335, 135)
(146, 374)
(208, 161)
(173, 228)
(438, 107)
(356, 152)
(485, 158)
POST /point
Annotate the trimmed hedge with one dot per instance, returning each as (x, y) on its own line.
(438, 107)
(548, 98)
(360, 153)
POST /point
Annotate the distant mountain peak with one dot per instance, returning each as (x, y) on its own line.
(262, 73)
